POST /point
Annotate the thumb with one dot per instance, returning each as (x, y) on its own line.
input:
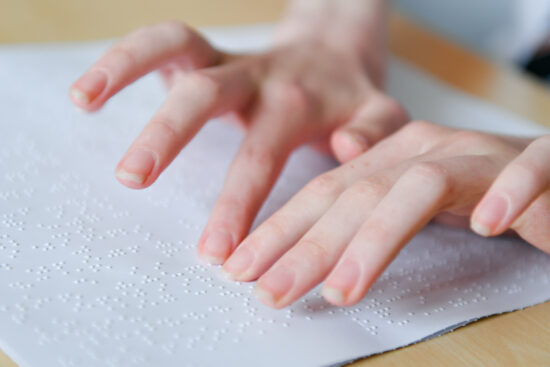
(377, 118)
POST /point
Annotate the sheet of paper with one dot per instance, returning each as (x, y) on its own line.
(92, 273)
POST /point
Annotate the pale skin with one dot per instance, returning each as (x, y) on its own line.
(322, 84)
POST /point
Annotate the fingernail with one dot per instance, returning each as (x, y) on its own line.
(136, 166)
(333, 295)
(88, 87)
(356, 140)
(79, 96)
(239, 262)
(217, 247)
(264, 296)
(480, 229)
(349, 145)
(342, 281)
(489, 215)
(274, 285)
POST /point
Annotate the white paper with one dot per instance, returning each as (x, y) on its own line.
(94, 274)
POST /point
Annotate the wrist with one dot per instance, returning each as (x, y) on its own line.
(357, 27)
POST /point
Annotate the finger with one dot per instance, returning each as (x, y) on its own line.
(533, 225)
(379, 117)
(283, 229)
(273, 134)
(279, 232)
(436, 186)
(519, 184)
(308, 262)
(136, 55)
(194, 99)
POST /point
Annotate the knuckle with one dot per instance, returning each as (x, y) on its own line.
(289, 94)
(205, 84)
(260, 157)
(394, 109)
(531, 174)
(124, 53)
(421, 136)
(383, 232)
(139, 32)
(418, 128)
(273, 228)
(432, 174)
(326, 184)
(176, 27)
(164, 126)
(315, 251)
(468, 137)
(229, 206)
(473, 142)
(421, 132)
(373, 187)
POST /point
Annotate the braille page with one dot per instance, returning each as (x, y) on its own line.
(95, 274)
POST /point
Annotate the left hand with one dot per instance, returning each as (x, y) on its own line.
(347, 225)
(305, 89)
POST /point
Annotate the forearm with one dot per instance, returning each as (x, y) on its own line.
(358, 25)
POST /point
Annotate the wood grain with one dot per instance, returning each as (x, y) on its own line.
(520, 338)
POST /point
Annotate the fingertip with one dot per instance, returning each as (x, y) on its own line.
(235, 278)
(81, 101)
(347, 145)
(79, 97)
(341, 283)
(135, 169)
(273, 287)
(333, 296)
(480, 228)
(87, 88)
(491, 215)
(239, 264)
(211, 260)
(265, 297)
(268, 299)
(216, 246)
(130, 180)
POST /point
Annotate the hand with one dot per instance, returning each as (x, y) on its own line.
(347, 225)
(303, 90)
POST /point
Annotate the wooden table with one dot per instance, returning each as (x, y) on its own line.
(519, 338)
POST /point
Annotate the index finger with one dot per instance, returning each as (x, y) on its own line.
(138, 54)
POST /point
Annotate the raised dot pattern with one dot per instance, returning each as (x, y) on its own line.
(92, 273)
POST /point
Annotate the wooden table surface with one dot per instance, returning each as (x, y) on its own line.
(519, 338)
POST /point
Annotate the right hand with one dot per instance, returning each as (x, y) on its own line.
(347, 225)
